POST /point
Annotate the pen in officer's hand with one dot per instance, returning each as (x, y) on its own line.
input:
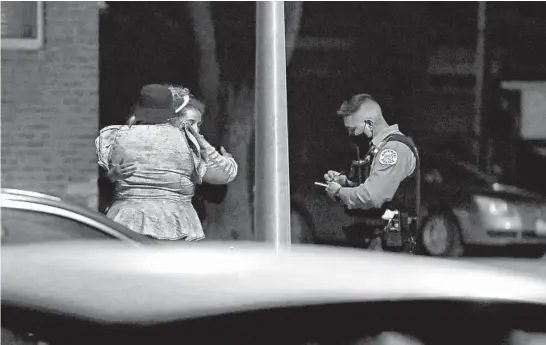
(321, 184)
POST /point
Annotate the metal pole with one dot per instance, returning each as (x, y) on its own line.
(272, 181)
(480, 71)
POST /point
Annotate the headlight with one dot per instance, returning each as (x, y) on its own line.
(495, 207)
(498, 214)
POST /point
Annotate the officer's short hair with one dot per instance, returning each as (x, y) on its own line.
(351, 106)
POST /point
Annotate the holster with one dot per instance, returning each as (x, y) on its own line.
(401, 227)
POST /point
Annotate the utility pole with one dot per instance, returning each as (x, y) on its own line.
(480, 64)
(272, 202)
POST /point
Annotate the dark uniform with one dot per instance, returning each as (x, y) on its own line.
(387, 178)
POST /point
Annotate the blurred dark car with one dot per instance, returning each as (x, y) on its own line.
(465, 206)
(461, 206)
(249, 293)
(29, 217)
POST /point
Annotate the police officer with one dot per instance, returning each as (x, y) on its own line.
(389, 175)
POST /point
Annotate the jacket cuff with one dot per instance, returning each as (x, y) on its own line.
(343, 193)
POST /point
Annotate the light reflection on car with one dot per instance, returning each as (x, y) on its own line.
(35, 217)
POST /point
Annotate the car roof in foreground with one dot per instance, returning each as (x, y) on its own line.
(26, 194)
(29, 196)
(535, 267)
(49, 200)
(111, 283)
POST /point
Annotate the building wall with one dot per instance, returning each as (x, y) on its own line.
(50, 102)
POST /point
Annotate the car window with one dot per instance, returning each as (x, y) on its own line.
(472, 174)
(456, 173)
(26, 226)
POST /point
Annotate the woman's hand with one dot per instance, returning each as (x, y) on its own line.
(225, 153)
(121, 171)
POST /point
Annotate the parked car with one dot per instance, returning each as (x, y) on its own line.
(34, 217)
(514, 161)
(240, 293)
(465, 206)
(461, 206)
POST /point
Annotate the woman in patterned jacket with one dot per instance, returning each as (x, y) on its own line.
(156, 162)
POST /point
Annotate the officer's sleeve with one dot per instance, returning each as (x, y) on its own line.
(391, 166)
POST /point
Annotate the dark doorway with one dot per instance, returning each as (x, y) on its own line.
(142, 43)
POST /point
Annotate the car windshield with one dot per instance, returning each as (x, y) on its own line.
(454, 171)
(477, 172)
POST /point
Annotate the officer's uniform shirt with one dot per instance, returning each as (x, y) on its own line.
(393, 162)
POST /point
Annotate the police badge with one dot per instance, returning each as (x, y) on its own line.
(388, 157)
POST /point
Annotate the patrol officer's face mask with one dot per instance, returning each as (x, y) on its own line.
(354, 127)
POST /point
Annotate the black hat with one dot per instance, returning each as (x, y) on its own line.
(155, 105)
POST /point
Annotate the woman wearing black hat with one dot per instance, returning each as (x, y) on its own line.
(157, 163)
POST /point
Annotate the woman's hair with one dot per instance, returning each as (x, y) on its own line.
(184, 100)
(195, 104)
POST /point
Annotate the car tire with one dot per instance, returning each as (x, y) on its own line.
(440, 235)
(301, 223)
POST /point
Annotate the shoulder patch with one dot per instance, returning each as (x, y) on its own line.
(388, 157)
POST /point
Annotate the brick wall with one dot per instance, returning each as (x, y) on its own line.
(50, 102)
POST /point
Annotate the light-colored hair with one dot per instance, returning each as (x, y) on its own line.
(350, 106)
(183, 100)
(181, 97)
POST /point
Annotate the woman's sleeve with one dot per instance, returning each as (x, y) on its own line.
(220, 165)
(103, 145)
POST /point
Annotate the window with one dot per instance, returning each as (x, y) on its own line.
(25, 226)
(22, 24)
(459, 174)
(453, 172)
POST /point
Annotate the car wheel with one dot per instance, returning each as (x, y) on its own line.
(440, 235)
(301, 223)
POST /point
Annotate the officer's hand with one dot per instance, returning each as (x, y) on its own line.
(121, 171)
(334, 176)
(332, 189)
(331, 175)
